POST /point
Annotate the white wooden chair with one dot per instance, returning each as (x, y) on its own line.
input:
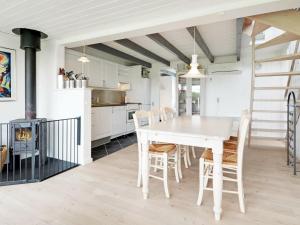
(168, 114)
(165, 153)
(232, 167)
(231, 144)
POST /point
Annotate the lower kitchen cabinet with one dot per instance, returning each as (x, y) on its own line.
(118, 120)
(108, 122)
(101, 122)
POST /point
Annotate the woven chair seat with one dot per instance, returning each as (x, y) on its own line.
(228, 157)
(162, 148)
(233, 138)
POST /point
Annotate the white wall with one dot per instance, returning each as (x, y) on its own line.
(227, 95)
(67, 103)
(14, 109)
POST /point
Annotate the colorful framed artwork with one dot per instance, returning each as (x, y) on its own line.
(7, 74)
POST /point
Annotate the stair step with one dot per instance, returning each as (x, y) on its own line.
(268, 138)
(269, 100)
(269, 111)
(276, 88)
(268, 130)
(283, 38)
(295, 73)
(280, 58)
(268, 121)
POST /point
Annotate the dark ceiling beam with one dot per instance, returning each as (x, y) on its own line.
(159, 39)
(135, 47)
(239, 31)
(120, 54)
(201, 43)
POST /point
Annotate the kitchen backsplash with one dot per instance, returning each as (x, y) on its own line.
(103, 97)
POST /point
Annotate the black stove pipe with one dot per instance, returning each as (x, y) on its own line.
(30, 42)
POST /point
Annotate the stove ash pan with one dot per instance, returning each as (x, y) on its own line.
(29, 137)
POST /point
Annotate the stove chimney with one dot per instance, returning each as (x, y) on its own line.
(30, 42)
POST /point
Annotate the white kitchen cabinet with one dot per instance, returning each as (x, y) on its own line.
(101, 73)
(118, 120)
(139, 87)
(110, 74)
(101, 122)
(94, 73)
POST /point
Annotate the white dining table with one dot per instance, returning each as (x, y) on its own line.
(198, 131)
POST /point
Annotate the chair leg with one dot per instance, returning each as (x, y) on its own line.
(139, 180)
(165, 175)
(156, 163)
(179, 163)
(185, 158)
(188, 155)
(176, 167)
(201, 181)
(241, 194)
(193, 152)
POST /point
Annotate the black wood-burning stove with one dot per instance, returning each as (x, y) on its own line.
(29, 136)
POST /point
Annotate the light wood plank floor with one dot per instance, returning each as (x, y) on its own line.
(105, 192)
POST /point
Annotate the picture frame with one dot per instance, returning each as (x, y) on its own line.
(8, 86)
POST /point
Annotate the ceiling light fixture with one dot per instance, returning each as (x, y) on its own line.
(194, 72)
(83, 58)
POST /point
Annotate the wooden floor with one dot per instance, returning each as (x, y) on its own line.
(105, 192)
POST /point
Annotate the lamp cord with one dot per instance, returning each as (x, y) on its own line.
(194, 41)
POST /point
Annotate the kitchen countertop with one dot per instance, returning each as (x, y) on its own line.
(108, 105)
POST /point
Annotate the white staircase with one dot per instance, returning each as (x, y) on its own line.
(269, 90)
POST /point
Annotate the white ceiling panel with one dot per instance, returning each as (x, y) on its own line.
(154, 47)
(182, 40)
(129, 51)
(220, 37)
(71, 19)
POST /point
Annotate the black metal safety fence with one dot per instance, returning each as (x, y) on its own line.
(31, 151)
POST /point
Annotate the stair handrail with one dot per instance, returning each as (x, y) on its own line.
(292, 97)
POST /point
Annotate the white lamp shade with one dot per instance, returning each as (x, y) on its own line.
(83, 59)
(194, 72)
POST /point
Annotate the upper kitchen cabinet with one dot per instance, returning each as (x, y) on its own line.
(101, 73)
(72, 63)
(140, 87)
(110, 74)
(94, 73)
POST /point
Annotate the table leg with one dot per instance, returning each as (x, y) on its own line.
(145, 164)
(218, 179)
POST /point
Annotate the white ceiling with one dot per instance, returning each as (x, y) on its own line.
(70, 20)
(220, 38)
(77, 22)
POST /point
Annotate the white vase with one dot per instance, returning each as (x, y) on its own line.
(78, 83)
(60, 81)
(84, 83)
(67, 83)
(72, 83)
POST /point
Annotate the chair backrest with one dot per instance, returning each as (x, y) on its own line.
(138, 117)
(168, 113)
(154, 116)
(244, 114)
(241, 141)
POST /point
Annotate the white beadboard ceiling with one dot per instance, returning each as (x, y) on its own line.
(74, 22)
(72, 19)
